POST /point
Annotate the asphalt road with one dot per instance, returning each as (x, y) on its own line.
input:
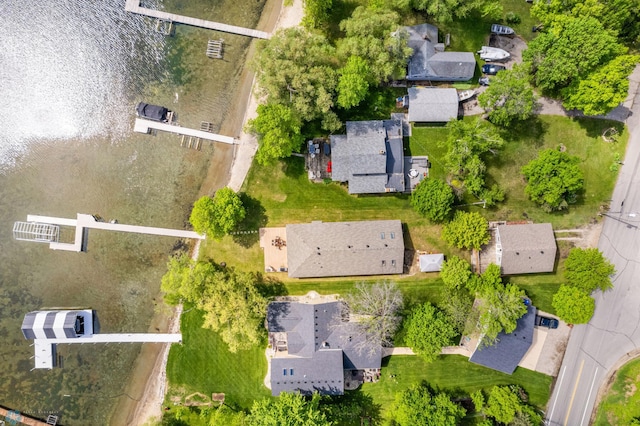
(613, 334)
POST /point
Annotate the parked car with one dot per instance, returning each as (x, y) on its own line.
(492, 69)
(483, 81)
(547, 322)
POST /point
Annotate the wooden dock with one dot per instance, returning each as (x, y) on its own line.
(86, 221)
(145, 126)
(133, 6)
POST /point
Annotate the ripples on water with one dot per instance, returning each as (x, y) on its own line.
(69, 69)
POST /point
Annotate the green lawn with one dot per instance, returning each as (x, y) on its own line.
(453, 373)
(622, 402)
(202, 363)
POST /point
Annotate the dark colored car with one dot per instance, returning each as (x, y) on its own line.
(483, 81)
(547, 322)
(492, 69)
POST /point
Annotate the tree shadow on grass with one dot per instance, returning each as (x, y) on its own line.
(353, 408)
(270, 287)
(594, 127)
(293, 167)
(532, 129)
(247, 233)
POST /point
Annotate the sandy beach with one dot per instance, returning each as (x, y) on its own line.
(149, 380)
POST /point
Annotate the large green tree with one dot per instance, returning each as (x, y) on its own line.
(446, 10)
(588, 270)
(218, 216)
(428, 330)
(602, 90)
(289, 409)
(500, 308)
(468, 144)
(455, 272)
(433, 199)
(420, 405)
(553, 179)
(375, 35)
(278, 129)
(505, 404)
(569, 50)
(354, 81)
(232, 304)
(466, 231)
(618, 16)
(299, 69)
(573, 305)
(510, 97)
(316, 13)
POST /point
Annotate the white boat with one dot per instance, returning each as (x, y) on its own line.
(493, 54)
(502, 29)
(466, 94)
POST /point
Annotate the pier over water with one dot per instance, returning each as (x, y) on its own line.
(133, 6)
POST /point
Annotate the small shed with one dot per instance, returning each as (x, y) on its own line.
(431, 262)
(432, 105)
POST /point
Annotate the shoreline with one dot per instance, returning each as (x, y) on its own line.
(238, 159)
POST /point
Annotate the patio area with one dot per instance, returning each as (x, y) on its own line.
(273, 242)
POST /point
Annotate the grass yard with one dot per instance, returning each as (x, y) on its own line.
(622, 403)
(581, 137)
(204, 364)
(453, 373)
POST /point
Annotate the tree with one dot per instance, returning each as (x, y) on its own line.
(278, 129)
(354, 81)
(230, 300)
(289, 409)
(444, 11)
(422, 406)
(588, 270)
(573, 305)
(316, 13)
(375, 36)
(569, 51)
(428, 330)
(455, 272)
(509, 98)
(457, 304)
(218, 216)
(433, 199)
(553, 179)
(467, 231)
(376, 307)
(602, 90)
(468, 143)
(618, 16)
(499, 311)
(505, 404)
(298, 69)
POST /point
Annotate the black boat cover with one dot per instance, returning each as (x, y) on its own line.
(152, 112)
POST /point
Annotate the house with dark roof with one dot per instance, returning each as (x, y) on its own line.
(525, 248)
(432, 105)
(334, 249)
(508, 351)
(430, 62)
(315, 348)
(370, 157)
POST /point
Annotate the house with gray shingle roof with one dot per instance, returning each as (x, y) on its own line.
(370, 157)
(508, 351)
(432, 105)
(315, 348)
(525, 248)
(335, 249)
(429, 60)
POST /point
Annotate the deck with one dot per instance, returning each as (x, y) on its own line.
(145, 126)
(133, 6)
(275, 255)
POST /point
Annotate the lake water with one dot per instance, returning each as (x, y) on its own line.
(71, 74)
